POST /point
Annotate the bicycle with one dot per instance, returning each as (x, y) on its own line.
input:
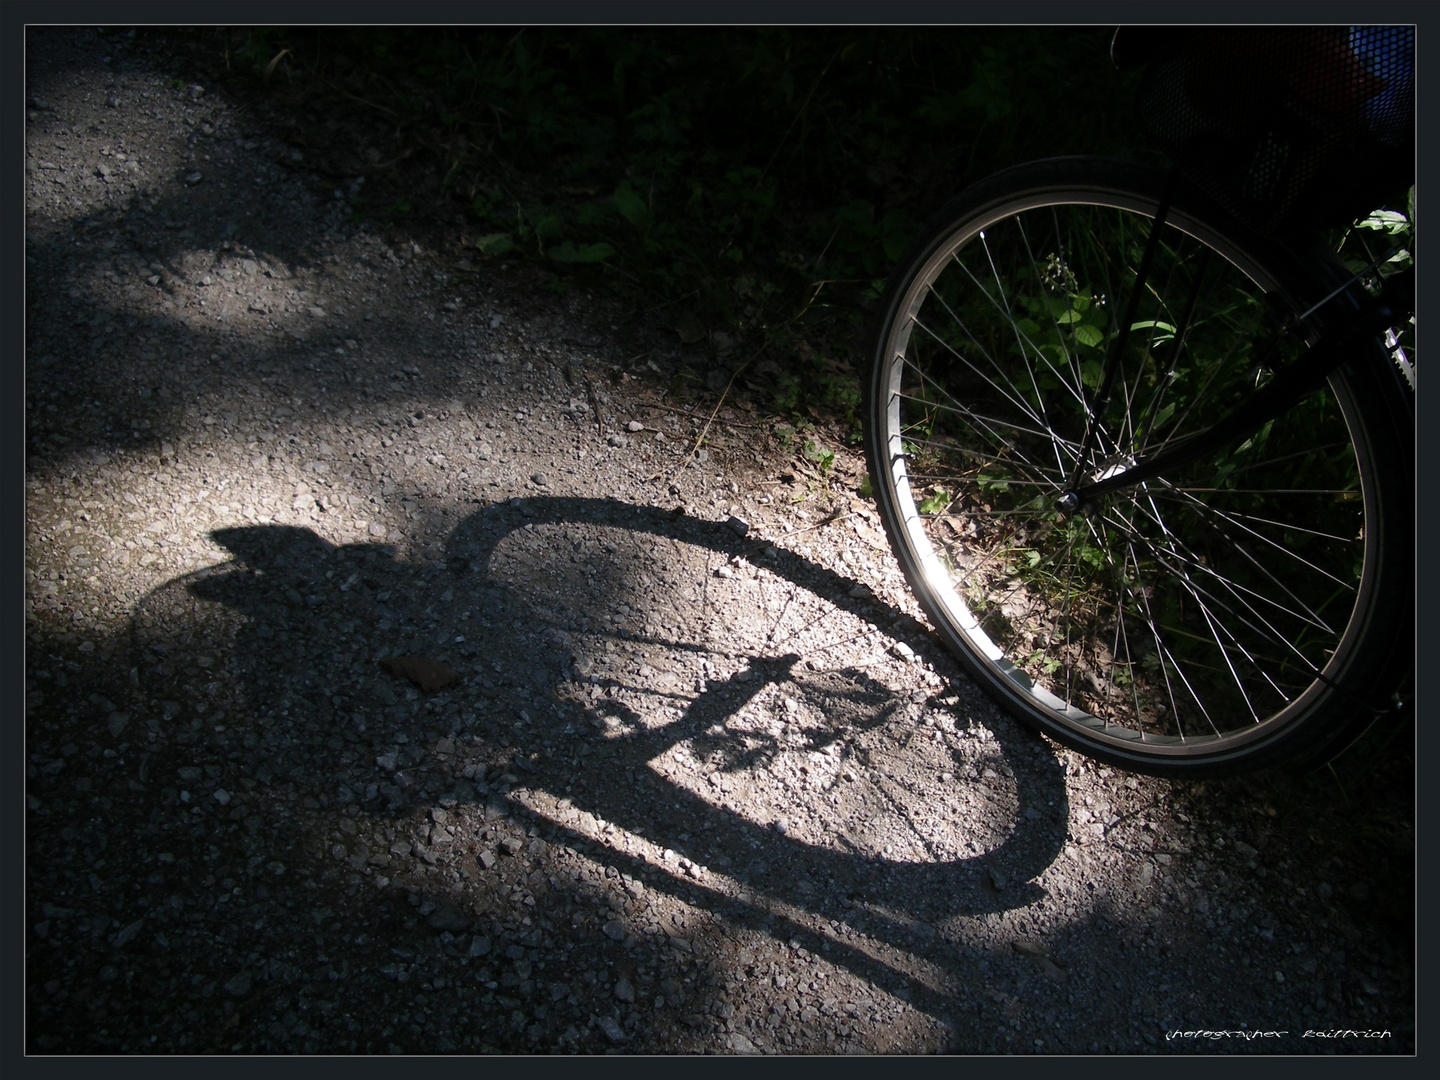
(1142, 449)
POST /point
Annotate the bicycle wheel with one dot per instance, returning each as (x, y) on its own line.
(1237, 609)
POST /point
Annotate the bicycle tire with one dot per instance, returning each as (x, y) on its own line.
(1244, 608)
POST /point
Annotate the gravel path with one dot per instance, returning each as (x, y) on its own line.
(402, 679)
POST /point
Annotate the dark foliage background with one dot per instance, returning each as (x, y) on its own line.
(748, 188)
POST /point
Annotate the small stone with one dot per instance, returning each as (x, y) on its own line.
(614, 930)
(193, 178)
(724, 571)
(624, 990)
(616, 439)
(116, 723)
(739, 1044)
(1245, 849)
(739, 526)
(239, 985)
(634, 425)
(222, 797)
(611, 1027)
(538, 479)
(479, 945)
(903, 651)
(1053, 971)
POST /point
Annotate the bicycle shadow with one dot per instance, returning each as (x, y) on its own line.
(934, 888)
(314, 618)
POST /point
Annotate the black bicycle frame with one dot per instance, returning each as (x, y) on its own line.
(1298, 379)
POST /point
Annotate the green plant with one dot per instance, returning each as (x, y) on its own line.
(937, 502)
(813, 451)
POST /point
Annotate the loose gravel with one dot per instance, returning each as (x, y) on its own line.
(421, 661)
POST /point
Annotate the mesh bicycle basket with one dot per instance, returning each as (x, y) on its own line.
(1292, 127)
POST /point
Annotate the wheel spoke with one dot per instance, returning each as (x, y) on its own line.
(1171, 619)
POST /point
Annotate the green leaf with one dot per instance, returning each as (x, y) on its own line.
(818, 454)
(1146, 324)
(549, 228)
(1390, 221)
(568, 252)
(1089, 336)
(632, 208)
(936, 503)
(496, 244)
(897, 227)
